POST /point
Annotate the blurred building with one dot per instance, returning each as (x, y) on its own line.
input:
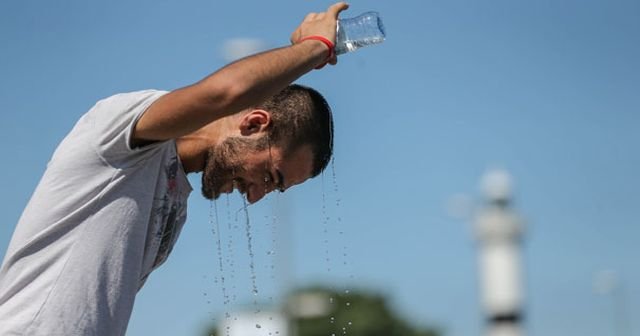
(266, 323)
(499, 231)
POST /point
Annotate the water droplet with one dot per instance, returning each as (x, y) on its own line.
(258, 326)
(349, 323)
(348, 303)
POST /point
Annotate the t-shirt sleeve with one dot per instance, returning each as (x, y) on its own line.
(113, 121)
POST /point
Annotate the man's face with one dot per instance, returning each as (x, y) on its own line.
(239, 163)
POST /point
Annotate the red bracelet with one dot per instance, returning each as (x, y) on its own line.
(326, 42)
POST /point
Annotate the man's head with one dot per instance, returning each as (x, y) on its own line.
(283, 141)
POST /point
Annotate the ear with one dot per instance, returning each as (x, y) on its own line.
(255, 121)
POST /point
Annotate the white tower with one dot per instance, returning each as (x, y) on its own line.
(499, 232)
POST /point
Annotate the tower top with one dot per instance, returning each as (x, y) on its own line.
(497, 186)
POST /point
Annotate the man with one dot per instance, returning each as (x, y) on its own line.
(113, 198)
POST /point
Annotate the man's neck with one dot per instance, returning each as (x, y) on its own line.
(191, 156)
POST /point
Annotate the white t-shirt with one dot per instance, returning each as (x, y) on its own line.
(102, 218)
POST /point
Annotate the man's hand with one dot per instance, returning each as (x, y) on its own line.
(322, 24)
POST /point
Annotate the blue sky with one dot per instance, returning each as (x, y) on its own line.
(547, 90)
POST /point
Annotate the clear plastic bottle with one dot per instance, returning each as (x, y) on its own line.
(360, 31)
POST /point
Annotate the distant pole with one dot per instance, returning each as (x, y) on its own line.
(499, 232)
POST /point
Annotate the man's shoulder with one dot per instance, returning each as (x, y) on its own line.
(133, 96)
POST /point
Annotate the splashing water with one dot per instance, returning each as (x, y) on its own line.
(325, 233)
(215, 225)
(341, 237)
(252, 266)
(230, 251)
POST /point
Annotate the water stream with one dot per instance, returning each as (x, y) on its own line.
(252, 266)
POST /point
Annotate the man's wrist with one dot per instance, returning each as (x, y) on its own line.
(322, 45)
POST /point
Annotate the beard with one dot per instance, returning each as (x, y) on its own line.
(223, 164)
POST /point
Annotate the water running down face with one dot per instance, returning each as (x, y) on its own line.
(253, 168)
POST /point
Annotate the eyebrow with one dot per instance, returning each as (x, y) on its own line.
(280, 180)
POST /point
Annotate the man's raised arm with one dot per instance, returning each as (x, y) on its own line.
(241, 84)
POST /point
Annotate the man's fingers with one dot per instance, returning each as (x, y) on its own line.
(335, 9)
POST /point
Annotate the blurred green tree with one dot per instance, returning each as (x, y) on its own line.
(355, 314)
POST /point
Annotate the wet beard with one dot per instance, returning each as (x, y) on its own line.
(218, 170)
(222, 164)
(217, 173)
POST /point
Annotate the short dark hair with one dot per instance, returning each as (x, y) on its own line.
(301, 116)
